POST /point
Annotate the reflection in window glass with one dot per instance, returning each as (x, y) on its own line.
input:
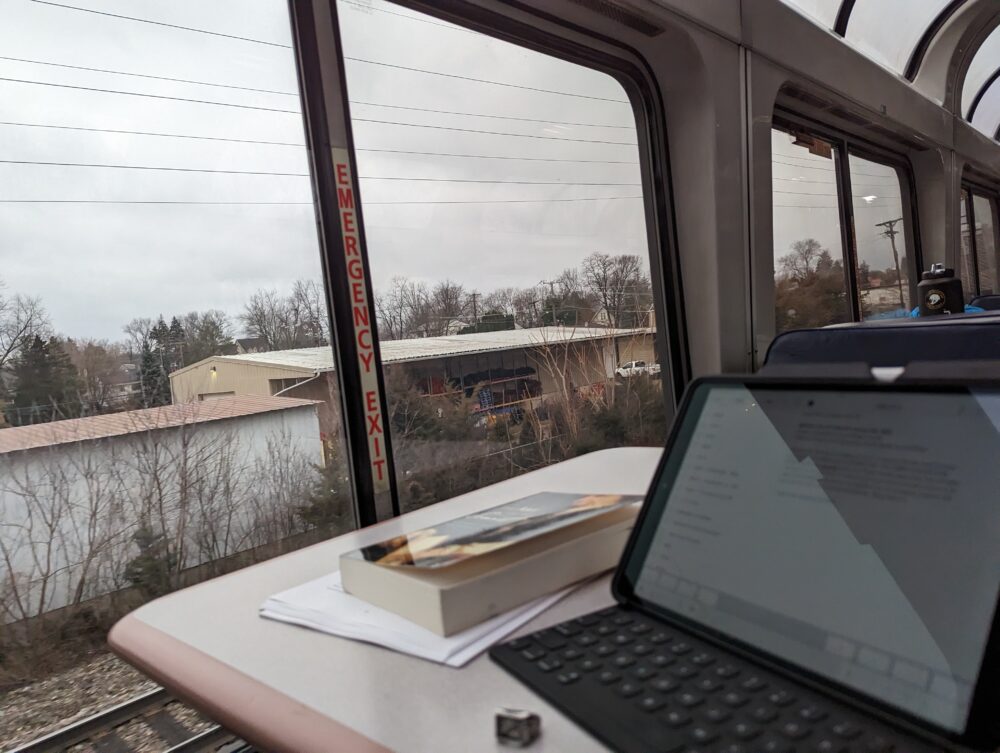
(810, 287)
(888, 30)
(967, 265)
(986, 250)
(167, 400)
(880, 235)
(983, 65)
(508, 248)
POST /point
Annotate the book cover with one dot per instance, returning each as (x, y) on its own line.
(490, 530)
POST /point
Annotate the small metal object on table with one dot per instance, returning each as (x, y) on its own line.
(517, 727)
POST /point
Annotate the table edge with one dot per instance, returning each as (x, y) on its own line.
(247, 707)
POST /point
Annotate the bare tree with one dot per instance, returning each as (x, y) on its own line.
(294, 321)
(21, 318)
(138, 332)
(99, 365)
(619, 283)
(205, 333)
(402, 308)
(802, 260)
(308, 307)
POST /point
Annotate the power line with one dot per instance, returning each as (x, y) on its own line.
(497, 156)
(480, 80)
(512, 182)
(150, 96)
(482, 115)
(501, 201)
(411, 18)
(150, 133)
(109, 201)
(161, 23)
(151, 167)
(150, 76)
(492, 133)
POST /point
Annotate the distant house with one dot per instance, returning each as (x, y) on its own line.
(250, 345)
(442, 329)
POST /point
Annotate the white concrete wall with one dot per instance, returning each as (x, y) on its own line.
(69, 513)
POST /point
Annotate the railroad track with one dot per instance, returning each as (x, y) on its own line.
(101, 732)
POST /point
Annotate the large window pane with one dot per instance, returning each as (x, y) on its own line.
(810, 286)
(887, 31)
(169, 407)
(507, 241)
(880, 236)
(986, 250)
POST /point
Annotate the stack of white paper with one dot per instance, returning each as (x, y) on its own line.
(322, 604)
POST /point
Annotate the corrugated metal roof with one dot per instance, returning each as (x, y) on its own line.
(417, 349)
(148, 419)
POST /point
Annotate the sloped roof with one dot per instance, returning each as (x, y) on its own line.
(421, 348)
(148, 419)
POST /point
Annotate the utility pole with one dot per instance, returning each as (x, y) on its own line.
(890, 233)
(552, 297)
(474, 295)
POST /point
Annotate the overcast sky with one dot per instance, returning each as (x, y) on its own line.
(96, 266)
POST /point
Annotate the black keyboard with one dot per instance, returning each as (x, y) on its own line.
(643, 687)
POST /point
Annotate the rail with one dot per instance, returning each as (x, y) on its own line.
(151, 708)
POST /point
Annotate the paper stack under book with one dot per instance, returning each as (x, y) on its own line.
(465, 583)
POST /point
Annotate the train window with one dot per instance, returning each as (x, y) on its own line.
(809, 278)
(978, 266)
(506, 233)
(167, 403)
(880, 238)
(870, 22)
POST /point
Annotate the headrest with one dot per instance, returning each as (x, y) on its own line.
(893, 342)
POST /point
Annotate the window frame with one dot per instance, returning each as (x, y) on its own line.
(845, 146)
(609, 56)
(971, 190)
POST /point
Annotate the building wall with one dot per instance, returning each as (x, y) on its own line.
(325, 389)
(239, 378)
(71, 511)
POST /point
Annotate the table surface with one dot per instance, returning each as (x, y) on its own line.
(286, 688)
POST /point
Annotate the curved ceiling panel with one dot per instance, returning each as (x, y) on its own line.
(984, 64)
(824, 12)
(887, 31)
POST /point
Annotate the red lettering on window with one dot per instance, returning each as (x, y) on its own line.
(341, 174)
(378, 448)
(378, 464)
(345, 198)
(360, 316)
(363, 336)
(358, 292)
(347, 220)
(350, 245)
(354, 269)
(371, 403)
(366, 360)
(374, 424)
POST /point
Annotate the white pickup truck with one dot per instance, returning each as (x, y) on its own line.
(635, 368)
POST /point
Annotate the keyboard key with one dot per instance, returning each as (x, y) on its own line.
(622, 639)
(640, 628)
(878, 745)
(641, 649)
(651, 703)
(567, 677)
(550, 639)
(726, 671)
(708, 684)
(605, 650)
(608, 676)
(831, 745)
(607, 611)
(623, 619)
(589, 665)
(533, 654)
(753, 683)
(716, 714)
(519, 643)
(643, 672)
(734, 699)
(846, 730)
(763, 714)
(628, 689)
(567, 629)
(660, 637)
(683, 671)
(781, 698)
(773, 745)
(623, 661)
(703, 735)
(702, 659)
(605, 629)
(661, 660)
(676, 718)
(587, 620)
(586, 639)
(569, 654)
(795, 730)
(812, 713)
(681, 648)
(689, 700)
(547, 665)
(664, 685)
(745, 730)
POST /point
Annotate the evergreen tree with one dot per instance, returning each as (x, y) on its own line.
(46, 384)
(150, 570)
(154, 385)
(178, 340)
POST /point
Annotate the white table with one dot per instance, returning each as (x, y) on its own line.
(288, 689)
